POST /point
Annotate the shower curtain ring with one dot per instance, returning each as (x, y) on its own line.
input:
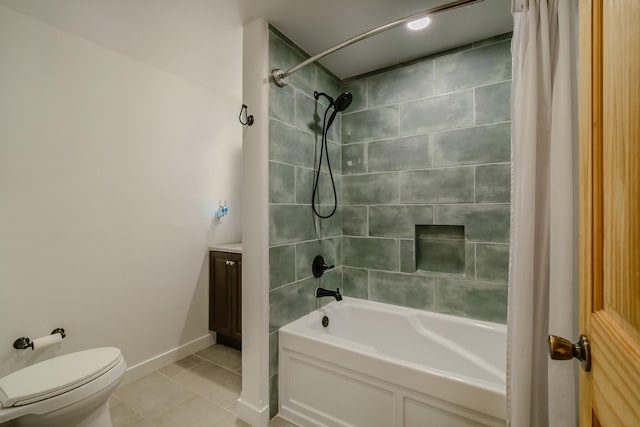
(248, 119)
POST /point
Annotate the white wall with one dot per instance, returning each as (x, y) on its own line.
(118, 135)
(253, 405)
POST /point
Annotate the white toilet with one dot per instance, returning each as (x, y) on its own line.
(67, 391)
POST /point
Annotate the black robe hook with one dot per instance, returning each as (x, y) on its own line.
(248, 119)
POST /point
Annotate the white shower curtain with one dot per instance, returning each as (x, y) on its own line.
(543, 262)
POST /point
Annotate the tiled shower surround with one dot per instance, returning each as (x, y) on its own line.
(423, 146)
(295, 236)
(429, 143)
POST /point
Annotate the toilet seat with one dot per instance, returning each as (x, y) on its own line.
(56, 376)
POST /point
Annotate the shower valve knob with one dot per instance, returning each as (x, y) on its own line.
(319, 266)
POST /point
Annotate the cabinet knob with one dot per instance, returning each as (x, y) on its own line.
(230, 262)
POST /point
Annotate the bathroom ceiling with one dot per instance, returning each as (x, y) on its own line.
(141, 28)
(316, 25)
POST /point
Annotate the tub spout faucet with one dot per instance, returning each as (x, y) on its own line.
(321, 292)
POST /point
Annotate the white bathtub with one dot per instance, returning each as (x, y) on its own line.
(383, 365)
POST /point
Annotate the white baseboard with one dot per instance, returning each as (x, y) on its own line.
(251, 415)
(160, 361)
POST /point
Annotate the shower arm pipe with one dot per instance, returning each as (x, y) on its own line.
(281, 77)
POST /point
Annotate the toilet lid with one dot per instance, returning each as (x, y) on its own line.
(56, 376)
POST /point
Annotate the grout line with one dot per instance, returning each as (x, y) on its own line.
(314, 134)
(290, 164)
(399, 180)
(431, 275)
(473, 105)
(493, 83)
(433, 74)
(366, 93)
(427, 133)
(399, 171)
(294, 108)
(435, 294)
(397, 105)
(411, 238)
(475, 261)
(139, 414)
(212, 362)
(475, 200)
(424, 98)
(452, 204)
(367, 220)
(474, 46)
(173, 405)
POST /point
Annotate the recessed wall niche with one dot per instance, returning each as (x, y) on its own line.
(440, 249)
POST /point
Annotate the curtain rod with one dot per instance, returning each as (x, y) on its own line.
(282, 77)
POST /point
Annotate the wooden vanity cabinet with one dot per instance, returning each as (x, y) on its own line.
(225, 297)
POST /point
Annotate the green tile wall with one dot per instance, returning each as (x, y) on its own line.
(427, 142)
(394, 155)
(401, 84)
(371, 124)
(447, 185)
(295, 236)
(402, 289)
(398, 221)
(452, 110)
(370, 253)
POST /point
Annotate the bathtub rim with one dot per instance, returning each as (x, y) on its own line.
(300, 328)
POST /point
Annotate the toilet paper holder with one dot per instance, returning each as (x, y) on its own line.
(24, 343)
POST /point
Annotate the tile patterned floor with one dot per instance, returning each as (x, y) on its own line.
(200, 390)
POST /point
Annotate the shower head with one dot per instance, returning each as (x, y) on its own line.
(341, 103)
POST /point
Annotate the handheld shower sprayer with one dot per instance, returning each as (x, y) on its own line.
(343, 101)
(339, 104)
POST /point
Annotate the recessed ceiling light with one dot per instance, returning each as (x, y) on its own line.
(419, 24)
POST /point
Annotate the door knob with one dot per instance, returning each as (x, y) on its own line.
(562, 349)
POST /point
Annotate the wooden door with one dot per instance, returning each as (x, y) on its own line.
(609, 100)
